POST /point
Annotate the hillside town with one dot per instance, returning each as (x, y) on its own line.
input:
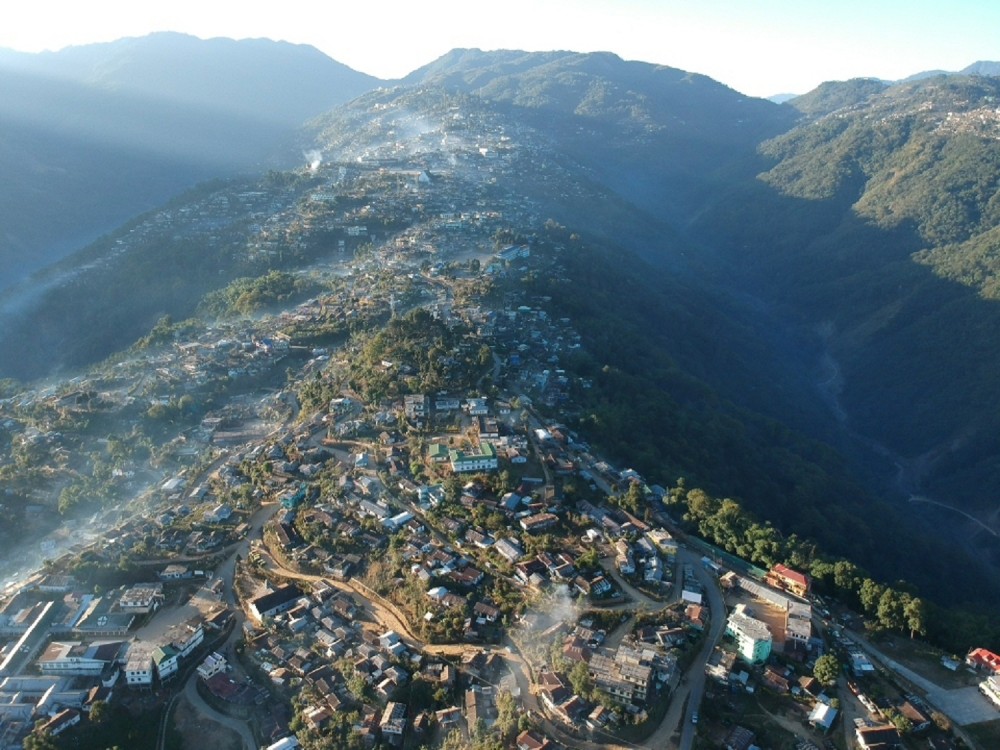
(363, 520)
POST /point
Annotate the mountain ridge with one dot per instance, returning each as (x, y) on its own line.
(89, 142)
(815, 218)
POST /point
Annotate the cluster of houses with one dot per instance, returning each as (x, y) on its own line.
(455, 574)
(878, 732)
(68, 649)
(629, 674)
(328, 619)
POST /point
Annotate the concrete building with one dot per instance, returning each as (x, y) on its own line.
(790, 580)
(142, 598)
(276, 602)
(484, 460)
(80, 658)
(753, 639)
(990, 687)
(139, 667)
(214, 664)
(166, 661)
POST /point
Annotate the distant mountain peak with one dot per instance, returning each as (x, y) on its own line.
(982, 68)
(831, 96)
(106, 130)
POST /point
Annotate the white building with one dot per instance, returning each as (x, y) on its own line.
(285, 743)
(142, 598)
(139, 667)
(484, 460)
(187, 636)
(166, 661)
(990, 687)
(477, 407)
(214, 664)
(79, 658)
(753, 639)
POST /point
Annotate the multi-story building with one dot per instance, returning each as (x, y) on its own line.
(753, 638)
(790, 580)
(625, 675)
(139, 667)
(990, 687)
(416, 407)
(142, 598)
(484, 460)
(165, 660)
(79, 658)
(393, 722)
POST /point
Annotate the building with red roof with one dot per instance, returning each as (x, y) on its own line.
(980, 658)
(790, 580)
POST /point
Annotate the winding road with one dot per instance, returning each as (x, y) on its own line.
(684, 702)
(237, 725)
(978, 522)
(686, 698)
(226, 571)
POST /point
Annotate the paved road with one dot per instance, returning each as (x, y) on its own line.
(640, 600)
(692, 688)
(226, 571)
(850, 709)
(963, 706)
(238, 726)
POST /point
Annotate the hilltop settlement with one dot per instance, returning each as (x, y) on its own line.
(345, 508)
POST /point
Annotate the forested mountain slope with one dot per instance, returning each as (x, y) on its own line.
(876, 223)
(662, 138)
(93, 135)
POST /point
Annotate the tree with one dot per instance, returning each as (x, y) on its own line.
(845, 576)
(589, 560)
(40, 741)
(915, 612)
(420, 695)
(633, 498)
(902, 723)
(507, 713)
(941, 721)
(580, 679)
(504, 482)
(870, 594)
(890, 610)
(827, 670)
(98, 712)
(452, 489)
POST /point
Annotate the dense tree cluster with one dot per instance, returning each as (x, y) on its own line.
(413, 353)
(726, 524)
(248, 296)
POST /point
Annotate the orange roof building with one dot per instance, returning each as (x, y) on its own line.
(980, 658)
(788, 579)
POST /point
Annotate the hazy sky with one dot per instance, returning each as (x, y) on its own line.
(760, 47)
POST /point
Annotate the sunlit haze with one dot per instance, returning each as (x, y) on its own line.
(761, 48)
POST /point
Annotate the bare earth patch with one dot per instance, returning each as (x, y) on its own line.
(925, 660)
(199, 733)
